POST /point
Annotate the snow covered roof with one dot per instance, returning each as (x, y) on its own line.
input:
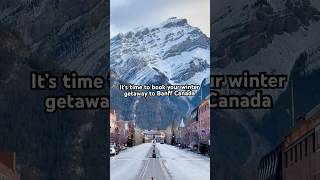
(314, 114)
(151, 132)
(182, 123)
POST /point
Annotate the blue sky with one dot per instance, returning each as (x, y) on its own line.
(129, 14)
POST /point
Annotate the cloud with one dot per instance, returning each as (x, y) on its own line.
(128, 14)
(119, 3)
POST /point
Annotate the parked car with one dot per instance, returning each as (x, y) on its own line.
(123, 147)
(204, 148)
(118, 148)
(113, 150)
(130, 143)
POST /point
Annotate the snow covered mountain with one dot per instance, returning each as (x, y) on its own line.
(33, 34)
(73, 34)
(277, 37)
(172, 52)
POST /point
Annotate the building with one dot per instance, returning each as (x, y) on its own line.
(298, 155)
(194, 115)
(204, 125)
(121, 132)
(121, 136)
(192, 132)
(113, 125)
(270, 166)
(113, 119)
(153, 134)
(301, 149)
(8, 166)
(131, 133)
(204, 121)
(181, 132)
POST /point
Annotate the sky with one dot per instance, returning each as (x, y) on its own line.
(129, 14)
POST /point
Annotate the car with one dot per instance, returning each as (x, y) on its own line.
(117, 148)
(162, 141)
(154, 153)
(123, 148)
(113, 150)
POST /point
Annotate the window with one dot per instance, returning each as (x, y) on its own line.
(3, 177)
(318, 137)
(295, 153)
(306, 147)
(291, 154)
(313, 142)
(300, 150)
(286, 158)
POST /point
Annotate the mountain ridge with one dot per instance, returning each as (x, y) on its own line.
(172, 52)
(164, 50)
(276, 37)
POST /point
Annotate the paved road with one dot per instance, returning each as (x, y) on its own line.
(171, 163)
(153, 168)
(129, 163)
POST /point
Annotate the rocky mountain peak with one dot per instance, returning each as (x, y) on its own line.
(172, 52)
(163, 52)
(174, 22)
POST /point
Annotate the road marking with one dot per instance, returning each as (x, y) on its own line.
(165, 170)
(146, 164)
(150, 163)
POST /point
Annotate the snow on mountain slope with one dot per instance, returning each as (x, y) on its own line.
(279, 56)
(172, 52)
(313, 58)
(263, 36)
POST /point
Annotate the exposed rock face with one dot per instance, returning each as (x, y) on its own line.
(52, 35)
(172, 52)
(259, 25)
(64, 145)
(262, 36)
(73, 33)
(170, 49)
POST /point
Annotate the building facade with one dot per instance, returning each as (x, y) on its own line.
(298, 155)
(270, 166)
(204, 121)
(301, 149)
(113, 119)
(8, 166)
(113, 125)
(153, 135)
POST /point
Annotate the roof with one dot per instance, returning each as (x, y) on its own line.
(151, 132)
(314, 115)
(182, 123)
(302, 127)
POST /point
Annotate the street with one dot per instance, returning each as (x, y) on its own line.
(172, 163)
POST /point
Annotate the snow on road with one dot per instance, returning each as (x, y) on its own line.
(183, 164)
(128, 164)
(171, 163)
